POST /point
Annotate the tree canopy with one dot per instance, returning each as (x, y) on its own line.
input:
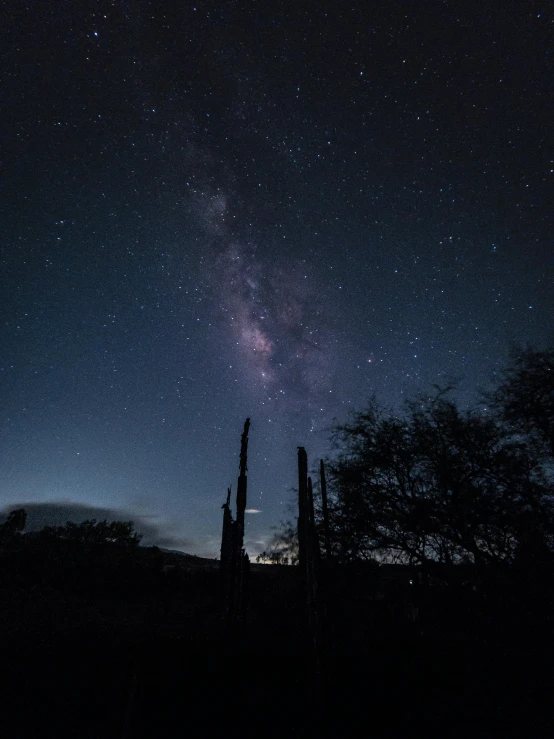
(120, 533)
(13, 525)
(435, 483)
(525, 396)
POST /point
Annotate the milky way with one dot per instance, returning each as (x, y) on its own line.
(271, 311)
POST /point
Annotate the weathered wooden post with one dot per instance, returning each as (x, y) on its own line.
(302, 508)
(234, 562)
(242, 485)
(312, 570)
(324, 509)
(308, 559)
(241, 563)
(227, 543)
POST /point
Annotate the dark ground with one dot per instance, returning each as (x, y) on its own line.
(108, 645)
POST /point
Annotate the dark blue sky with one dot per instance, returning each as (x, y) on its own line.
(263, 209)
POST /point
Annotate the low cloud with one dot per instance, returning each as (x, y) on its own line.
(58, 513)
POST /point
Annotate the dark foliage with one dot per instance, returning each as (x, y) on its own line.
(13, 525)
(525, 396)
(283, 545)
(437, 484)
(120, 533)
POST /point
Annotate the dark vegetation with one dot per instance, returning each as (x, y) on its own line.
(432, 583)
(437, 484)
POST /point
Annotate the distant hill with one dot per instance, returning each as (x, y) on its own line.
(179, 553)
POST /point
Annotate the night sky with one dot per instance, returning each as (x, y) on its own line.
(264, 209)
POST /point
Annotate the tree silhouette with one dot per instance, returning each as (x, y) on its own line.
(525, 396)
(14, 524)
(283, 545)
(436, 484)
(120, 533)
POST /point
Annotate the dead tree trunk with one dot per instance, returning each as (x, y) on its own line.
(312, 570)
(308, 557)
(241, 487)
(302, 508)
(227, 547)
(235, 565)
(324, 509)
